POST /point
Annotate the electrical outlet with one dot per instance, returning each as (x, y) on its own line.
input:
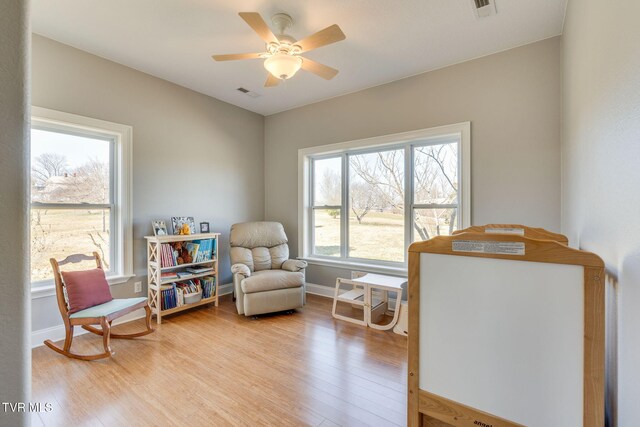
(137, 286)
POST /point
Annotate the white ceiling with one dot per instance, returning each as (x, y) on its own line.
(386, 40)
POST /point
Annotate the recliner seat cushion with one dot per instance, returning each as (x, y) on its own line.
(270, 280)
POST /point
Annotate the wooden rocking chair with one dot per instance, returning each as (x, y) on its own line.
(101, 314)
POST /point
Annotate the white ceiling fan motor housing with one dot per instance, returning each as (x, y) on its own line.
(282, 22)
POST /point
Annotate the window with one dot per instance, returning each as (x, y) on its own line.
(364, 202)
(327, 207)
(376, 205)
(435, 190)
(80, 193)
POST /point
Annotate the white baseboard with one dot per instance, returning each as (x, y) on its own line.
(57, 333)
(320, 290)
(226, 289)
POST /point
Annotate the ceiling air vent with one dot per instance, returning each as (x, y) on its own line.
(248, 92)
(483, 8)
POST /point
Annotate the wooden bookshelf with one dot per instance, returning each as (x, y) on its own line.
(155, 270)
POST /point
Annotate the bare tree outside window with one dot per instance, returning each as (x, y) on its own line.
(376, 193)
(363, 197)
(48, 165)
(435, 190)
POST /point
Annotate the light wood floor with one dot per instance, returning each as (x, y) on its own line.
(209, 366)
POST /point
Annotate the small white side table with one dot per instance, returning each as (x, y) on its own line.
(362, 295)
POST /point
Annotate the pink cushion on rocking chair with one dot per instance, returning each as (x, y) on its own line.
(86, 288)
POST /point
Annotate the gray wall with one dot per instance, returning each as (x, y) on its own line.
(512, 100)
(192, 154)
(601, 163)
(15, 354)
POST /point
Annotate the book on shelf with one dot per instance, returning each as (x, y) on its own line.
(182, 274)
(192, 248)
(168, 295)
(189, 286)
(179, 297)
(206, 254)
(169, 275)
(205, 250)
(167, 258)
(208, 284)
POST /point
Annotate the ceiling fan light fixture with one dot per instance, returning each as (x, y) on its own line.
(283, 66)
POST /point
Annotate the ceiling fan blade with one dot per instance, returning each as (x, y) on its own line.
(319, 69)
(234, 56)
(271, 81)
(256, 22)
(324, 37)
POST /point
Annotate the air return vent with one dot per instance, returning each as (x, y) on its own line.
(483, 8)
(248, 92)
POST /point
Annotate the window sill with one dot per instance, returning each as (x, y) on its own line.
(360, 266)
(49, 289)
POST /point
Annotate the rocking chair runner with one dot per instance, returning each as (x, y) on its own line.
(101, 314)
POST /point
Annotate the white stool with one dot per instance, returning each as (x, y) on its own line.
(362, 295)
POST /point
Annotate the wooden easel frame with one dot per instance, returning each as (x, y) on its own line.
(530, 232)
(424, 406)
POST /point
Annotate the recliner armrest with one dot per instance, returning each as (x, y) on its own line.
(294, 265)
(241, 269)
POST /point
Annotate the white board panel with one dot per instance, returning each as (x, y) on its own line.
(504, 337)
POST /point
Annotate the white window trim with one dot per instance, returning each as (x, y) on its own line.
(461, 130)
(122, 173)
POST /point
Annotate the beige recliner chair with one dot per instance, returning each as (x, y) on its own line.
(265, 280)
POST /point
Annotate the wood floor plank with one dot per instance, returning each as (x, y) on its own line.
(210, 366)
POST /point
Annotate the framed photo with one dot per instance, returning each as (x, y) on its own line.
(159, 227)
(183, 225)
(204, 227)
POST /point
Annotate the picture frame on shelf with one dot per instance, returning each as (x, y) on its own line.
(159, 227)
(204, 227)
(183, 225)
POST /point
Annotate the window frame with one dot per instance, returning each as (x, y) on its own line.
(120, 191)
(407, 141)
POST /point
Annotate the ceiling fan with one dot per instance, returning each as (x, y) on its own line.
(282, 57)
